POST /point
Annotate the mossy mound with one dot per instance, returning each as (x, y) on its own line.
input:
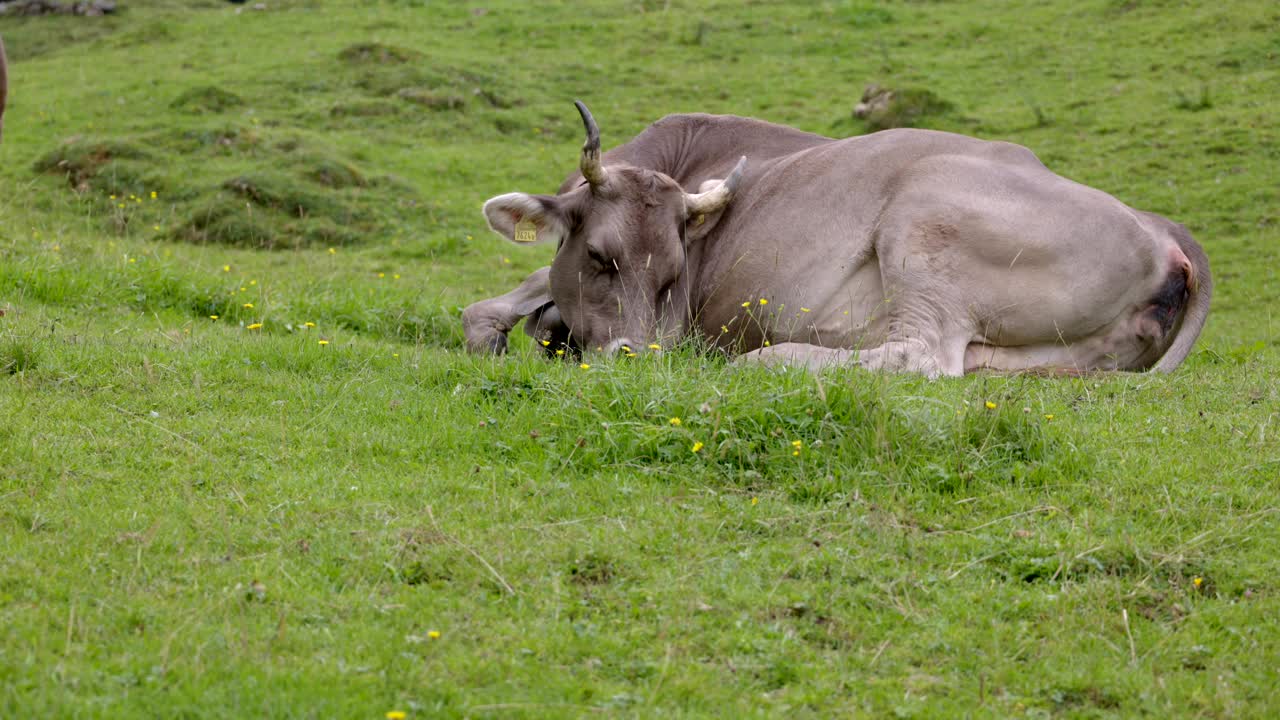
(373, 53)
(883, 108)
(431, 99)
(81, 159)
(207, 99)
(277, 189)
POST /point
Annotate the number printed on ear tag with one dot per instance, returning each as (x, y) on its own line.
(526, 232)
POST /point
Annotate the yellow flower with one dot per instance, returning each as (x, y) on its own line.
(674, 421)
(396, 715)
(766, 343)
(754, 501)
(797, 444)
(333, 251)
(764, 301)
(655, 346)
(545, 342)
(243, 289)
(804, 309)
(248, 305)
(1197, 581)
(254, 326)
(226, 268)
(308, 324)
(625, 348)
(324, 342)
(585, 366)
(723, 329)
(155, 227)
(631, 354)
(382, 275)
(434, 634)
(133, 260)
(746, 304)
(991, 405)
(153, 194)
(253, 282)
(696, 447)
(506, 261)
(396, 276)
(1048, 417)
(560, 351)
(395, 354)
(795, 452)
(213, 317)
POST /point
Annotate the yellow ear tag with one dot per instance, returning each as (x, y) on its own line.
(699, 220)
(526, 232)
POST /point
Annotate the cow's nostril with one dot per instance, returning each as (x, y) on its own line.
(622, 347)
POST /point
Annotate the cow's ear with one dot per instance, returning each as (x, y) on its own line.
(527, 219)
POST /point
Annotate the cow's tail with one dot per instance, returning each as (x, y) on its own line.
(1199, 290)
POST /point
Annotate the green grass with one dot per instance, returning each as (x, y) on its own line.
(200, 519)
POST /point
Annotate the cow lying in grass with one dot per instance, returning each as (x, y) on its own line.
(910, 250)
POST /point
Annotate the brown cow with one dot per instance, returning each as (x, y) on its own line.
(908, 250)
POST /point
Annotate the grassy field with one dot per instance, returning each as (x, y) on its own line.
(247, 470)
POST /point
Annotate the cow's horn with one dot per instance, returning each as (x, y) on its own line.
(592, 170)
(717, 197)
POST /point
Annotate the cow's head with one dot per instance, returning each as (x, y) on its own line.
(620, 272)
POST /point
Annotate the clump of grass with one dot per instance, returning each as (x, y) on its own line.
(18, 355)
(206, 99)
(1195, 102)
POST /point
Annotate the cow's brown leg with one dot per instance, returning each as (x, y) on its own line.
(486, 323)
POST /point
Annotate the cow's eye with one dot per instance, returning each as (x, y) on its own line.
(600, 259)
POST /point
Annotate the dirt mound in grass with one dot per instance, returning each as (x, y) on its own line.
(883, 108)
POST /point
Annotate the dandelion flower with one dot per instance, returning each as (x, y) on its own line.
(560, 351)
(991, 405)
(545, 342)
(804, 309)
(1197, 581)
(226, 268)
(381, 275)
(254, 326)
(396, 715)
(324, 342)
(797, 444)
(697, 447)
(396, 276)
(675, 421)
(585, 366)
(133, 260)
(333, 251)
(433, 634)
(253, 282)
(153, 194)
(766, 343)
(655, 346)
(1048, 417)
(746, 304)
(755, 501)
(213, 317)
(248, 305)
(764, 301)
(308, 324)
(395, 354)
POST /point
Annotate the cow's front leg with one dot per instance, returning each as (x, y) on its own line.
(811, 357)
(486, 323)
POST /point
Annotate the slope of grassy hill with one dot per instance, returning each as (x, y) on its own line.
(246, 468)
